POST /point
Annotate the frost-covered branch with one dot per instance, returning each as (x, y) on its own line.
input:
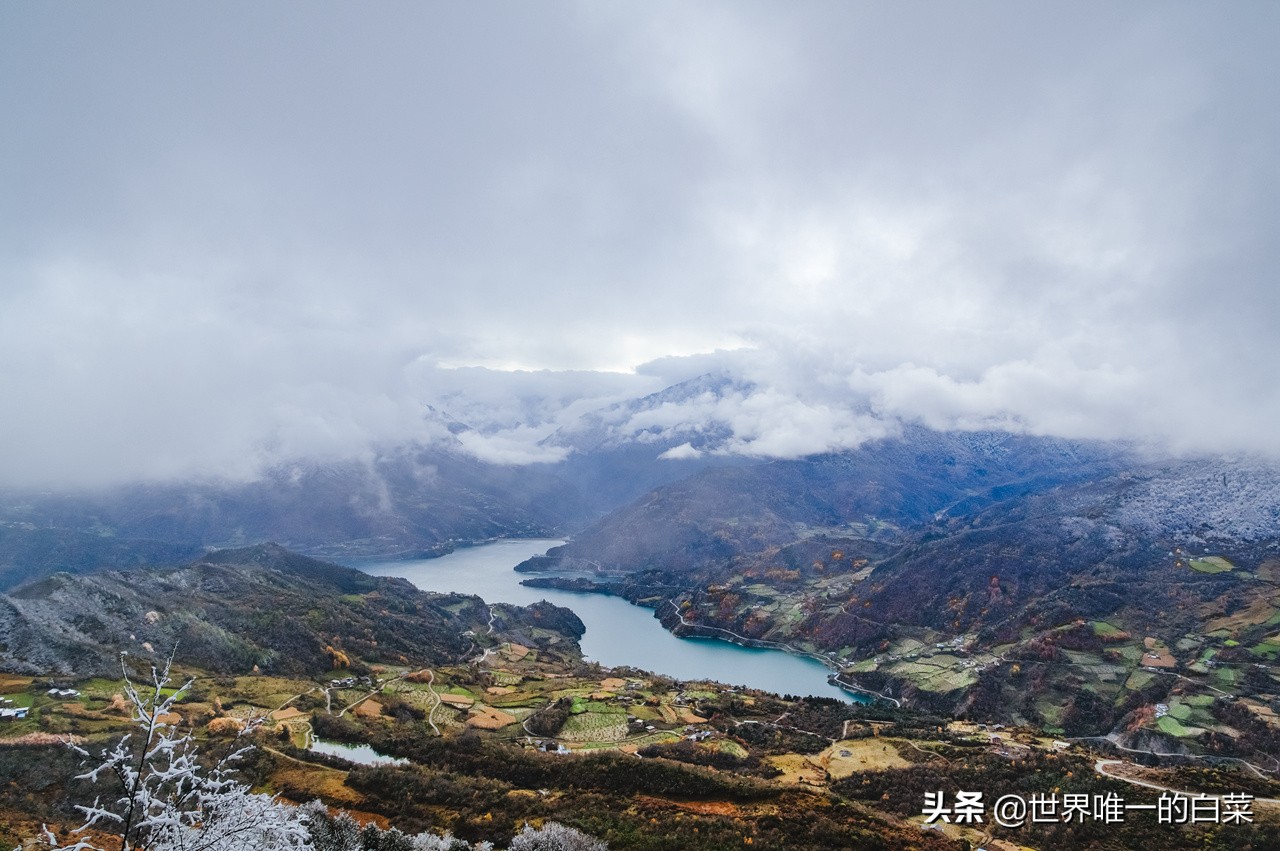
(167, 801)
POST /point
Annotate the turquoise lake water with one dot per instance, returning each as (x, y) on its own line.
(618, 633)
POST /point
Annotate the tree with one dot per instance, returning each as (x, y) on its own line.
(554, 836)
(168, 801)
(343, 833)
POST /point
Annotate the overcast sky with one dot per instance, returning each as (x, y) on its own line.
(236, 232)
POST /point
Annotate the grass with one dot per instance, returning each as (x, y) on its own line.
(797, 768)
(594, 727)
(1169, 724)
(1211, 564)
(264, 691)
(1102, 629)
(1266, 649)
(700, 695)
(1080, 658)
(1050, 710)
(99, 686)
(864, 755)
(1139, 680)
(732, 748)
(1130, 652)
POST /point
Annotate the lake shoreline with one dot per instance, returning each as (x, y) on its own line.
(620, 633)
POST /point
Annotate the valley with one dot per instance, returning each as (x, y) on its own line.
(1001, 614)
(638, 759)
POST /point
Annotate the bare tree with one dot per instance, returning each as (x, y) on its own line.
(554, 836)
(168, 801)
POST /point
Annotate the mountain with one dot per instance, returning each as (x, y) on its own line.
(876, 491)
(659, 420)
(260, 607)
(28, 553)
(625, 450)
(1076, 587)
(411, 501)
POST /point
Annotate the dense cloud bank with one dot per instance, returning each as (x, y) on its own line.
(285, 231)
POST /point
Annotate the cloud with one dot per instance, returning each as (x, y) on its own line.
(683, 452)
(288, 230)
(510, 448)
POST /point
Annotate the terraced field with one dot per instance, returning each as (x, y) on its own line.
(594, 727)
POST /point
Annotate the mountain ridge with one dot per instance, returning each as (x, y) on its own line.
(257, 608)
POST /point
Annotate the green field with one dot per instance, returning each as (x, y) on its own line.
(1169, 724)
(1211, 564)
(594, 727)
(1268, 649)
(1138, 680)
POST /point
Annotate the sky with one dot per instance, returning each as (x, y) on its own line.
(237, 233)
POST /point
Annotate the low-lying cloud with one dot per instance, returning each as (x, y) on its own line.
(305, 231)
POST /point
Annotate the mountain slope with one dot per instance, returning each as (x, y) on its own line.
(27, 553)
(262, 607)
(877, 490)
(1072, 587)
(406, 501)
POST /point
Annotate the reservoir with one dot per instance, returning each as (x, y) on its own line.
(359, 754)
(618, 633)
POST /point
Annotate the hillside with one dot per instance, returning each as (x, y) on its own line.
(410, 501)
(29, 553)
(878, 491)
(1077, 604)
(259, 608)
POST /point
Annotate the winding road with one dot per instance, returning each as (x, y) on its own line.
(1100, 766)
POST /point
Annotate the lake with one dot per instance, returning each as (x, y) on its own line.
(359, 754)
(618, 633)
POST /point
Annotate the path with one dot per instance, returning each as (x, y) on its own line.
(1211, 757)
(927, 751)
(1100, 766)
(751, 642)
(378, 685)
(431, 687)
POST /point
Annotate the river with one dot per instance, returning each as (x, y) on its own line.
(618, 633)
